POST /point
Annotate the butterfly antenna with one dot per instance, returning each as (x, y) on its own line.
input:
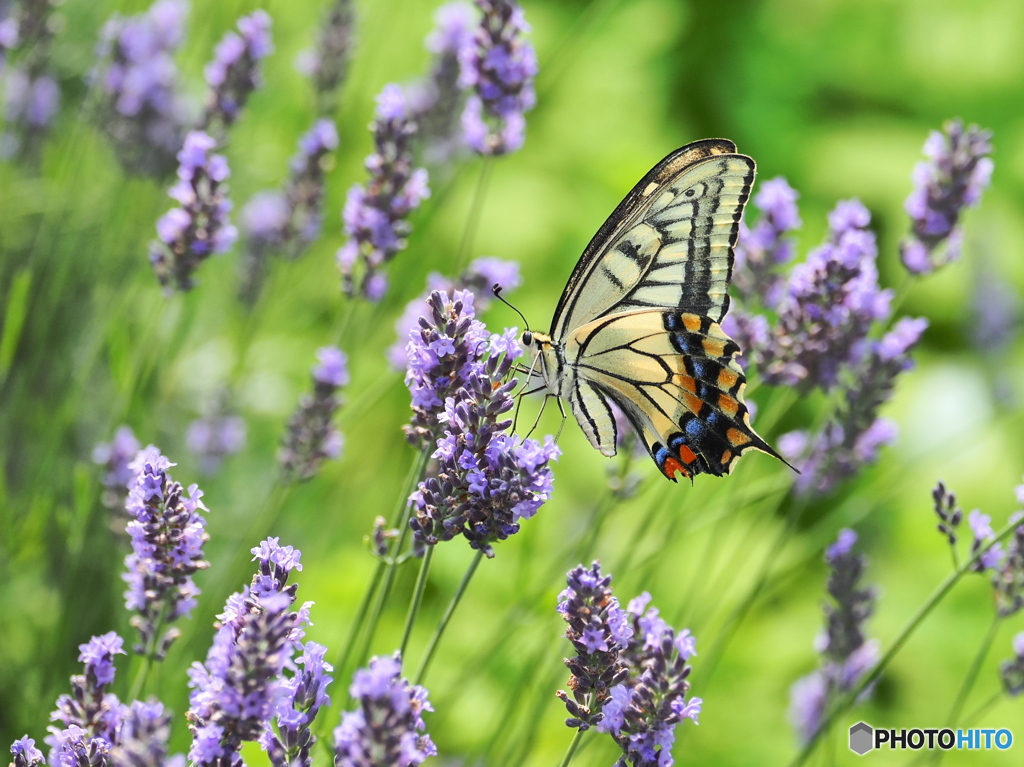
(496, 290)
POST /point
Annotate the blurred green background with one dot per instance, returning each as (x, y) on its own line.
(838, 96)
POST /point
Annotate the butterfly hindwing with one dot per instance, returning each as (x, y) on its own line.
(668, 244)
(675, 376)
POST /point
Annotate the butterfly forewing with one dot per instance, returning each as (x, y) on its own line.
(668, 244)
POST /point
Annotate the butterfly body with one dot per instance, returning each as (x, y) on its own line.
(638, 322)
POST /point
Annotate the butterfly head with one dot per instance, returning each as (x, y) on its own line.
(546, 356)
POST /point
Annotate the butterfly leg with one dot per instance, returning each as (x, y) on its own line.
(519, 402)
(561, 409)
(537, 421)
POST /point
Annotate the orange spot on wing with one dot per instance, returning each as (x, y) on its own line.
(686, 455)
(672, 466)
(691, 402)
(728, 405)
(736, 437)
(726, 457)
(685, 382)
(691, 322)
(715, 347)
(727, 378)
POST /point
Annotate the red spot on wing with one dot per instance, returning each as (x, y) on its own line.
(671, 466)
(686, 455)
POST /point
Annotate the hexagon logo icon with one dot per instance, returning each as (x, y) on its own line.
(862, 738)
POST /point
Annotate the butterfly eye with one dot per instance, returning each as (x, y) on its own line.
(527, 338)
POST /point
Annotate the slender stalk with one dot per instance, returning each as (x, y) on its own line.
(428, 655)
(473, 220)
(901, 639)
(417, 598)
(572, 749)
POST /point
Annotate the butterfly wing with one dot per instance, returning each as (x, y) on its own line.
(675, 376)
(669, 243)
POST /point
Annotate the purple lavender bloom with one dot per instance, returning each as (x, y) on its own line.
(846, 653)
(852, 437)
(214, 438)
(167, 535)
(312, 436)
(643, 711)
(235, 72)
(761, 250)
(235, 692)
(949, 513)
(828, 307)
(138, 79)
(115, 457)
(328, 64)
(142, 741)
(31, 96)
(953, 178)
(487, 481)
(995, 325)
(438, 99)
(981, 529)
(1012, 671)
(478, 279)
(1008, 577)
(25, 753)
(200, 227)
(500, 68)
(598, 630)
(375, 215)
(286, 222)
(387, 728)
(90, 712)
(303, 695)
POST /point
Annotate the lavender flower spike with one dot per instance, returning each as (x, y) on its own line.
(387, 728)
(642, 712)
(846, 653)
(234, 72)
(375, 214)
(312, 437)
(953, 178)
(328, 64)
(168, 535)
(31, 95)
(1012, 671)
(304, 694)
(236, 691)
(598, 630)
(90, 713)
(500, 68)
(487, 481)
(198, 228)
(138, 79)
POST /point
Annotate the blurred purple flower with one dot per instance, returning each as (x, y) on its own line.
(137, 77)
(1012, 671)
(115, 457)
(375, 214)
(1008, 575)
(598, 630)
(487, 481)
(327, 65)
(31, 95)
(200, 227)
(236, 691)
(168, 534)
(852, 437)
(981, 530)
(995, 325)
(761, 250)
(211, 439)
(312, 436)
(500, 67)
(287, 222)
(387, 727)
(142, 741)
(949, 513)
(478, 279)
(846, 654)
(235, 72)
(953, 178)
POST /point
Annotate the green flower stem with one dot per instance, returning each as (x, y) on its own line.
(417, 599)
(428, 655)
(570, 752)
(475, 210)
(906, 632)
